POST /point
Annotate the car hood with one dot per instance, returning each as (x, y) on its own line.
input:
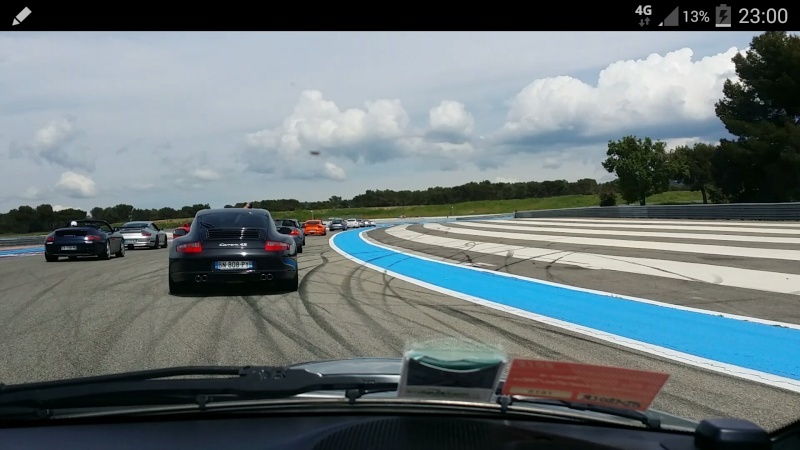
(394, 366)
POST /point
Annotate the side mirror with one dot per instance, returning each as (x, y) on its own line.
(285, 230)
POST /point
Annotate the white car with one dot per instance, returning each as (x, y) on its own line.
(351, 223)
(140, 234)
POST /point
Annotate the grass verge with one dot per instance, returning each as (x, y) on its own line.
(466, 208)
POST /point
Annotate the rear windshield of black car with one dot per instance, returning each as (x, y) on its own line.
(233, 220)
(285, 223)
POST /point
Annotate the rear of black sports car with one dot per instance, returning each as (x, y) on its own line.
(83, 241)
(233, 246)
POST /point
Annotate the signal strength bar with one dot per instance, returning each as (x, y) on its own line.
(673, 19)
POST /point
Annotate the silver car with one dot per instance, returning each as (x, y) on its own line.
(143, 234)
(336, 224)
(297, 231)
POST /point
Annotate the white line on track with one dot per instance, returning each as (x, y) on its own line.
(685, 358)
(534, 224)
(719, 223)
(763, 253)
(765, 281)
(649, 234)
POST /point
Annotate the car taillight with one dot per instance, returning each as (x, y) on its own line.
(50, 239)
(192, 247)
(92, 237)
(295, 232)
(272, 246)
(145, 233)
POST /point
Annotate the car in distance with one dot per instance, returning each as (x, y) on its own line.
(351, 223)
(336, 224)
(296, 233)
(143, 234)
(314, 227)
(233, 245)
(84, 238)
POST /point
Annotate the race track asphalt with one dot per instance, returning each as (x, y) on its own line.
(77, 318)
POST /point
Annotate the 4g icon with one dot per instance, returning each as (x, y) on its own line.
(645, 10)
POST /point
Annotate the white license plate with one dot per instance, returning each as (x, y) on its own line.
(68, 247)
(233, 265)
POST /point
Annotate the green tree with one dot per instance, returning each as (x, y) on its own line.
(692, 166)
(762, 109)
(640, 166)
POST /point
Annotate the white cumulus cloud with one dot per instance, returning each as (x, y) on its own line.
(505, 180)
(51, 143)
(58, 208)
(647, 94)
(205, 174)
(76, 185)
(319, 124)
(32, 193)
(334, 172)
(451, 117)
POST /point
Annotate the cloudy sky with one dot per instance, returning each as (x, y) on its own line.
(169, 119)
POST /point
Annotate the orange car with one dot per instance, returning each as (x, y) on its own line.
(314, 227)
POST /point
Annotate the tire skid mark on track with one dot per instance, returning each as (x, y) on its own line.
(123, 321)
(158, 272)
(676, 400)
(36, 298)
(266, 324)
(212, 347)
(530, 344)
(375, 327)
(255, 317)
(418, 306)
(313, 310)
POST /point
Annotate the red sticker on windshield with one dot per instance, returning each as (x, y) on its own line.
(584, 383)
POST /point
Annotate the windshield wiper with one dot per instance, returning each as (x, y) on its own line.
(152, 388)
(648, 421)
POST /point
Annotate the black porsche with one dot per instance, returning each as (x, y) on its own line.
(84, 238)
(233, 245)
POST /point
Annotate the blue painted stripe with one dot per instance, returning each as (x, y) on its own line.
(761, 347)
(22, 251)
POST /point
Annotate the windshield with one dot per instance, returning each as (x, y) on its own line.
(135, 225)
(233, 220)
(615, 199)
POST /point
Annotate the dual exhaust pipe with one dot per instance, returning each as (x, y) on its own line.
(204, 278)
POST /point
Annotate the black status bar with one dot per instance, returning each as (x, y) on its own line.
(405, 16)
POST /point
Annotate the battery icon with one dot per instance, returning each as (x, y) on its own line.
(723, 17)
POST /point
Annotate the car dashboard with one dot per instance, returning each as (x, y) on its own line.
(278, 431)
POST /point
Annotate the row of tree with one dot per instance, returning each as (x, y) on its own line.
(27, 219)
(762, 164)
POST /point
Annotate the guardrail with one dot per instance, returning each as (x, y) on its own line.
(728, 211)
(22, 240)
